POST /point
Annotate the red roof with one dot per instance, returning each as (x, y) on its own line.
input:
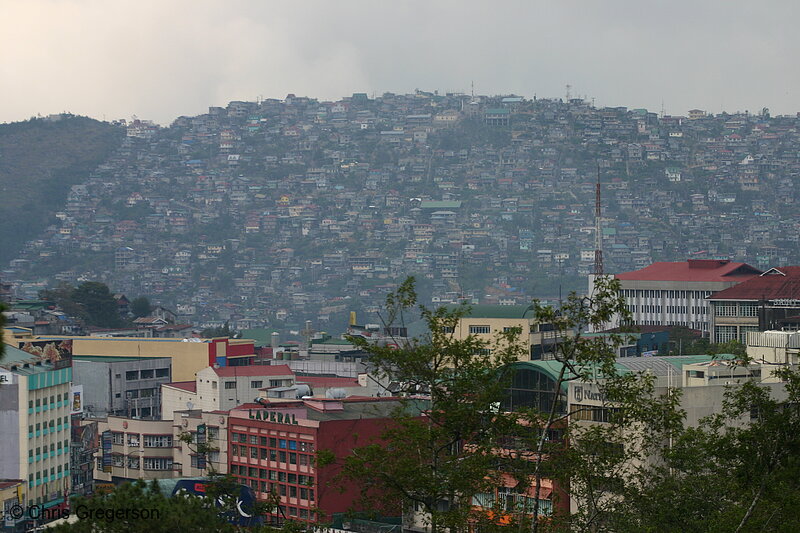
(190, 386)
(693, 270)
(781, 282)
(254, 370)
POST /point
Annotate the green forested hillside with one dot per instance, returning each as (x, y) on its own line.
(40, 160)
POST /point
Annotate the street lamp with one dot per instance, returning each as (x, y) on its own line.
(128, 456)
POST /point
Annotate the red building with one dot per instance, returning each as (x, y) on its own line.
(272, 449)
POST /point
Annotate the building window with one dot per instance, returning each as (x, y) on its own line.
(748, 309)
(275, 382)
(157, 441)
(477, 330)
(162, 372)
(744, 330)
(133, 439)
(157, 463)
(256, 384)
(147, 374)
(725, 309)
(724, 333)
(230, 384)
(132, 375)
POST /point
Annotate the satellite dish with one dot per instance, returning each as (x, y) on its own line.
(189, 405)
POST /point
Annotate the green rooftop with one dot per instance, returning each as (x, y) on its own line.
(261, 336)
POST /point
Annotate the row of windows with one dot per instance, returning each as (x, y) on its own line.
(255, 384)
(478, 330)
(53, 447)
(50, 425)
(283, 510)
(53, 399)
(286, 491)
(283, 444)
(734, 309)
(733, 333)
(291, 458)
(636, 293)
(594, 413)
(149, 441)
(134, 375)
(135, 462)
(142, 393)
(52, 472)
(670, 309)
(272, 475)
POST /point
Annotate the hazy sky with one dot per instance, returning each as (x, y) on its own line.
(161, 59)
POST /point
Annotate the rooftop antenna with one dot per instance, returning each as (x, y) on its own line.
(598, 236)
(569, 92)
(472, 85)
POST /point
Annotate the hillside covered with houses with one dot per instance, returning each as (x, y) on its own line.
(271, 213)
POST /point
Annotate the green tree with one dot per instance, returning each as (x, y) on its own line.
(737, 470)
(140, 307)
(97, 303)
(436, 462)
(140, 506)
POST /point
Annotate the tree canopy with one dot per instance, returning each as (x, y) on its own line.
(91, 301)
(140, 307)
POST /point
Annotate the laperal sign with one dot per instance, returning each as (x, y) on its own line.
(273, 416)
(6, 378)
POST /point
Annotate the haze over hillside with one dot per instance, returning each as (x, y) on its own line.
(274, 212)
(40, 160)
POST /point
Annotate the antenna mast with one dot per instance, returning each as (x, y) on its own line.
(598, 230)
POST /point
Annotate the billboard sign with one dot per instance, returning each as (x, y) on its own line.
(57, 352)
(76, 399)
(107, 444)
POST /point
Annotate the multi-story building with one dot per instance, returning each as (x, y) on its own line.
(701, 378)
(154, 449)
(123, 386)
(674, 294)
(770, 301)
(485, 322)
(12, 492)
(188, 355)
(272, 450)
(35, 420)
(223, 388)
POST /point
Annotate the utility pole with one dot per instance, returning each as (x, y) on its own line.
(598, 235)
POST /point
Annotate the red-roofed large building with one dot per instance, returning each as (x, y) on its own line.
(674, 294)
(770, 301)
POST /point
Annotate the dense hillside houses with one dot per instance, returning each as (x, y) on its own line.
(265, 214)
